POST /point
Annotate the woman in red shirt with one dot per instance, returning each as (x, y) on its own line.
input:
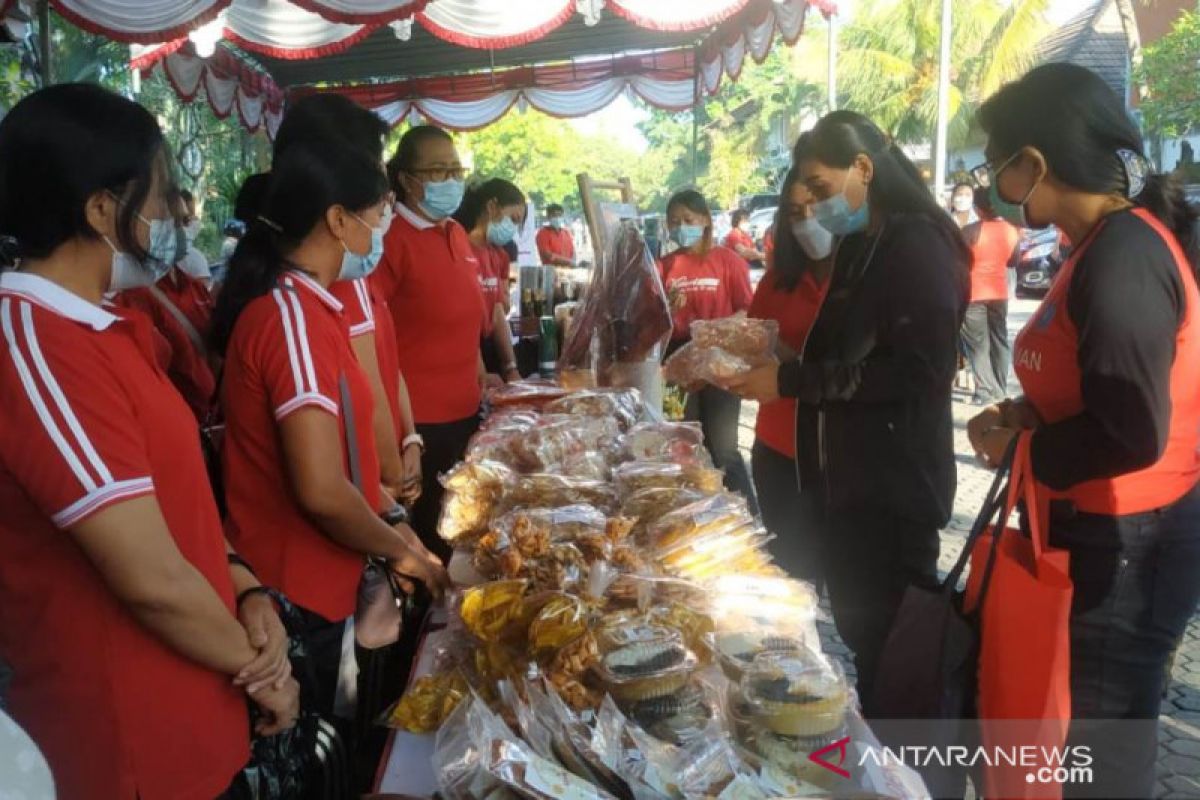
(301, 470)
(707, 281)
(431, 284)
(119, 608)
(491, 214)
(739, 240)
(996, 247)
(1109, 365)
(791, 293)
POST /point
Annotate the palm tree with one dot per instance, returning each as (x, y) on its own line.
(888, 60)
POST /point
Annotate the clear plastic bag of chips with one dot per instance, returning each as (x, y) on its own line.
(634, 476)
(693, 364)
(676, 442)
(750, 340)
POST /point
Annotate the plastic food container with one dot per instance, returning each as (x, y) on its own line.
(798, 694)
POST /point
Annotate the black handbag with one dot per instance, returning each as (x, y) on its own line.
(925, 688)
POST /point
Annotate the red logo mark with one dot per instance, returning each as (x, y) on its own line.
(839, 746)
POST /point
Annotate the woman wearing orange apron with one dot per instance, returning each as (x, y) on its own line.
(1110, 367)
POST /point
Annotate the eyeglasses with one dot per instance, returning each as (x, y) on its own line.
(441, 173)
(986, 172)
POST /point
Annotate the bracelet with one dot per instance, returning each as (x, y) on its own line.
(395, 515)
(237, 561)
(411, 439)
(242, 596)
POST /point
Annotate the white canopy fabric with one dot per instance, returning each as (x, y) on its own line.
(229, 85)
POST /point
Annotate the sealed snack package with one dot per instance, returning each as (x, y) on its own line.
(488, 609)
(701, 558)
(677, 442)
(460, 753)
(800, 693)
(648, 506)
(641, 661)
(750, 340)
(511, 417)
(624, 318)
(526, 392)
(751, 608)
(622, 405)
(472, 491)
(693, 364)
(568, 669)
(497, 444)
(544, 490)
(717, 513)
(427, 702)
(560, 622)
(559, 439)
(635, 476)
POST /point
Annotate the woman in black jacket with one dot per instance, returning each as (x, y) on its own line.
(874, 436)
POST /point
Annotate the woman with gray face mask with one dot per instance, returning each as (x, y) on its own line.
(791, 293)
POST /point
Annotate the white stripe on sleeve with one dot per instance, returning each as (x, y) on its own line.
(286, 317)
(306, 360)
(98, 498)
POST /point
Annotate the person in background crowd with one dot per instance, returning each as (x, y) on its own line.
(790, 293)
(372, 332)
(768, 244)
(555, 244)
(1109, 365)
(739, 240)
(962, 205)
(301, 470)
(188, 258)
(233, 231)
(491, 213)
(180, 307)
(874, 433)
(996, 248)
(432, 288)
(707, 281)
(134, 641)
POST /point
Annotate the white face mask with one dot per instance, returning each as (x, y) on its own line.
(192, 229)
(963, 204)
(129, 273)
(814, 239)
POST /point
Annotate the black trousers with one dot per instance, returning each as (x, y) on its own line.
(985, 345)
(871, 557)
(445, 446)
(717, 411)
(1137, 583)
(794, 519)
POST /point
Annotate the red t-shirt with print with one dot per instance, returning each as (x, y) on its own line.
(714, 285)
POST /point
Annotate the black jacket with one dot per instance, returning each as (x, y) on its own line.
(873, 425)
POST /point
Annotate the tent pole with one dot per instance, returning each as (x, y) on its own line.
(44, 40)
(831, 85)
(943, 98)
(695, 111)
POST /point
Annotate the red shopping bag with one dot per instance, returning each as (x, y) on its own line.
(1022, 589)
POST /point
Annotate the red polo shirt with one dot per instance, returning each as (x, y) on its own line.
(188, 368)
(795, 311)
(432, 289)
(289, 350)
(90, 421)
(555, 242)
(993, 250)
(738, 238)
(713, 286)
(367, 312)
(493, 267)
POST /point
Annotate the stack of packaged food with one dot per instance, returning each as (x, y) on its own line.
(626, 634)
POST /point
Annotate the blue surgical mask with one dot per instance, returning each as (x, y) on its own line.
(557, 223)
(163, 240)
(442, 198)
(813, 238)
(835, 215)
(687, 235)
(355, 266)
(502, 232)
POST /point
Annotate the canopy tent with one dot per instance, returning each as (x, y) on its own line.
(461, 63)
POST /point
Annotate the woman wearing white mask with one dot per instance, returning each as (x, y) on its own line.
(431, 284)
(492, 213)
(300, 463)
(707, 281)
(874, 434)
(790, 293)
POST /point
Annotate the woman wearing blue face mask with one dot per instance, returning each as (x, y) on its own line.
(300, 462)
(430, 281)
(492, 213)
(874, 434)
(707, 281)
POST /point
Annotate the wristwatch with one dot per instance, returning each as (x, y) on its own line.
(411, 439)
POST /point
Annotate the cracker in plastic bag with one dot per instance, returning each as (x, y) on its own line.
(678, 442)
(693, 364)
(635, 476)
(545, 490)
(751, 340)
(624, 405)
(427, 702)
(531, 392)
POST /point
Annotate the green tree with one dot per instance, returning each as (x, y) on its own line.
(1171, 72)
(888, 60)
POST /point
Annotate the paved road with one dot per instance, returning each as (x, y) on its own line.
(1179, 737)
